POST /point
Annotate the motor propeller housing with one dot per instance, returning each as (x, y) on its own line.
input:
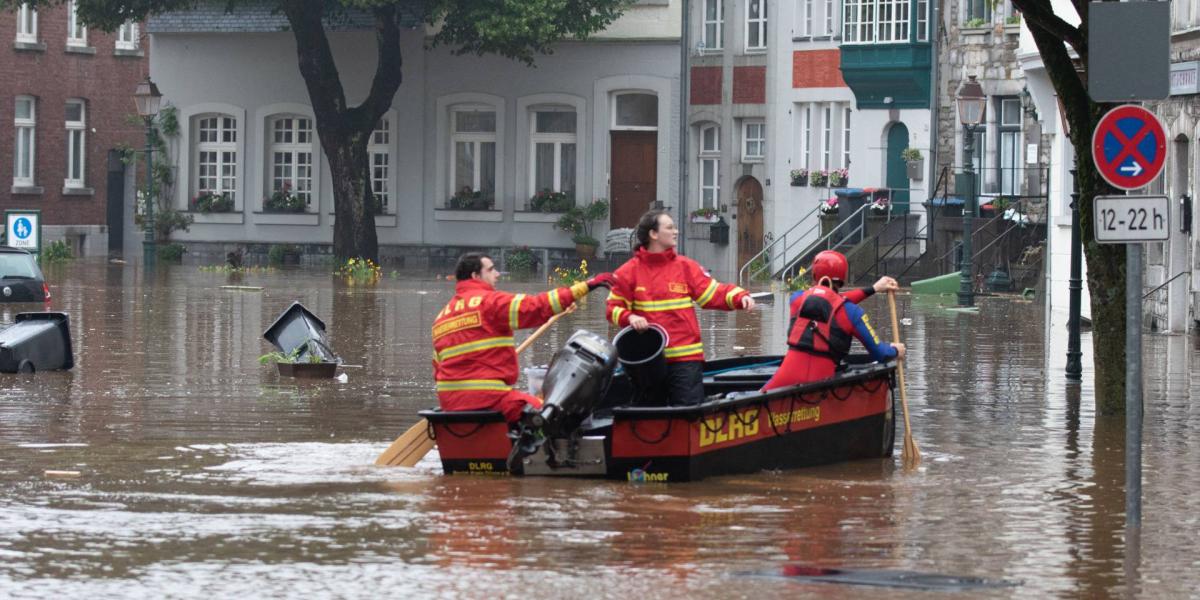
(575, 382)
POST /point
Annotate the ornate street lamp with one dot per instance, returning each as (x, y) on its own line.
(148, 100)
(972, 108)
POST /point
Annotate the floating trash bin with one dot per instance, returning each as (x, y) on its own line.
(38, 341)
(641, 355)
(298, 331)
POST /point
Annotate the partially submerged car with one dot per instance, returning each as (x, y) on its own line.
(20, 278)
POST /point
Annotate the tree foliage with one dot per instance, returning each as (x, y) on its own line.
(1064, 51)
(515, 29)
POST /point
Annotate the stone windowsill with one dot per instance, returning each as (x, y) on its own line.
(522, 216)
(134, 52)
(975, 31)
(446, 214)
(274, 218)
(29, 46)
(755, 51)
(381, 220)
(1012, 28)
(90, 50)
(28, 190)
(78, 191)
(222, 218)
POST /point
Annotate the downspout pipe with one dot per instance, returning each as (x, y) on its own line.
(685, 21)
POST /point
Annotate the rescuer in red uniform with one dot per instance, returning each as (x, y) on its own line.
(474, 358)
(658, 286)
(824, 324)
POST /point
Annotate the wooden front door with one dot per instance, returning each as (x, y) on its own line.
(634, 182)
(749, 220)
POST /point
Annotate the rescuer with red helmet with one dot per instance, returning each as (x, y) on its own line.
(661, 287)
(824, 324)
(474, 359)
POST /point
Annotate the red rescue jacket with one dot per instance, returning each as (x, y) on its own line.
(473, 346)
(820, 326)
(662, 287)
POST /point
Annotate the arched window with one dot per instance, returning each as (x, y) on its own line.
(27, 22)
(291, 153)
(76, 30)
(216, 155)
(710, 165)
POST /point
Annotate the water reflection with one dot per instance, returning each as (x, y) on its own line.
(205, 473)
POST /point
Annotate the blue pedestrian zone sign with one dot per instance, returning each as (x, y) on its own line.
(23, 229)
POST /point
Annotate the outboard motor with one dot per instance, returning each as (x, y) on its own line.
(576, 380)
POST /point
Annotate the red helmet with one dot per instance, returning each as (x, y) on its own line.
(831, 264)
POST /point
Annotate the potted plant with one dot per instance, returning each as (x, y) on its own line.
(799, 177)
(212, 202)
(914, 163)
(469, 199)
(819, 178)
(579, 220)
(879, 206)
(704, 215)
(283, 200)
(827, 212)
(839, 177)
(549, 200)
(301, 365)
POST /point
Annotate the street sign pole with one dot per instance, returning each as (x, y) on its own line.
(1133, 385)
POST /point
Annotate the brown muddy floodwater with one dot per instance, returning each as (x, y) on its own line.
(202, 474)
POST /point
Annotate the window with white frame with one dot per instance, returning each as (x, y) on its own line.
(713, 33)
(922, 20)
(710, 165)
(27, 22)
(217, 156)
(884, 21)
(379, 149)
(473, 153)
(892, 25)
(76, 122)
(754, 141)
(552, 141)
(978, 12)
(830, 15)
(806, 137)
(804, 18)
(1009, 151)
(827, 138)
(76, 31)
(24, 133)
(127, 36)
(635, 112)
(756, 25)
(292, 156)
(846, 137)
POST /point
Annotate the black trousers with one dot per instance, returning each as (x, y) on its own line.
(685, 382)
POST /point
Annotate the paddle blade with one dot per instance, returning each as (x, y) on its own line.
(409, 448)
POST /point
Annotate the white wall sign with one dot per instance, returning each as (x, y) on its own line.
(1132, 219)
(23, 230)
(1185, 78)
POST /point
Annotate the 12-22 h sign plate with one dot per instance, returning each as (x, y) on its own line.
(1132, 219)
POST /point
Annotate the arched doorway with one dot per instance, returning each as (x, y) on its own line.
(749, 219)
(897, 172)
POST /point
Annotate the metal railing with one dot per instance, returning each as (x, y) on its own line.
(761, 263)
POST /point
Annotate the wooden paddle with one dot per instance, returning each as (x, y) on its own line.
(910, 455)
(414, 444)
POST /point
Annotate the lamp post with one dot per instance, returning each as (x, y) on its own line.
(1075, 289)
(972, 107)
(148, 100)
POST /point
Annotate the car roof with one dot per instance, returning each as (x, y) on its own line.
(11, 250)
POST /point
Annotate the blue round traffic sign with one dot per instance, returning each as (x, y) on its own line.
(22, 228)
(1129, 147)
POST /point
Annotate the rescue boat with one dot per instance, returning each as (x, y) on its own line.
(599, 424)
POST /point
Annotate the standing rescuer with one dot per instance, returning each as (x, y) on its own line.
(658, 286)
(474, 358)
(825, 324)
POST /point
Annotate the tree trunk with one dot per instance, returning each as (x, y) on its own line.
(343, 130)
(1105, 263)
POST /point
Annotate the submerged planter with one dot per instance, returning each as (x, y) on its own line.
(39, 341)
(321, 370)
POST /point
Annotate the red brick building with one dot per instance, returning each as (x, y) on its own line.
(66, 102)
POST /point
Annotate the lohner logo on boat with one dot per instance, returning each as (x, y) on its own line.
(728, 427)
(642, 475)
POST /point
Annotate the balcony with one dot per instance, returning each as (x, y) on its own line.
(876, 72)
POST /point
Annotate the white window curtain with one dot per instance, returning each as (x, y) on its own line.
(756, 25)
(846, 137)
(553, 143)
(710, 165)
(806, 137)
(380, 153)
(713, 34)
(755, 140)
(473, 153)
(826, 138)
(127, 36)
(76, 123)
(217, 156)
(24, 134)
(292, 156)
(27, 24)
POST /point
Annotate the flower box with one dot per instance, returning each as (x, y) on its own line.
(705, 219)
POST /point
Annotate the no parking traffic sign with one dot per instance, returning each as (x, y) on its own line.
(1129, 147)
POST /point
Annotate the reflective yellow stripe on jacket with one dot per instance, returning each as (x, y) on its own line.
(688, 350)
(514, 311)
(709, 292)
(616, 315)
(476, 346)
(662, 305)
(485, 385)
(731, 295)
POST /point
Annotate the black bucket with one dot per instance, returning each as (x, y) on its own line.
(297, 328)
(641, 354)
(39, 341)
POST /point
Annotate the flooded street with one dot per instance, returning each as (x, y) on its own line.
(204, 474)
